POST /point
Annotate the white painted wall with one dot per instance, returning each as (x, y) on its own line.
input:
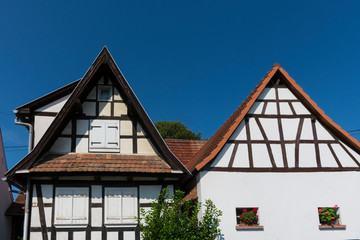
(54, 106)
(287, 202)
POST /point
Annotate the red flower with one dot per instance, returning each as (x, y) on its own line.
(244, 210)
(326, 212)
(335, 206)
(245, 220)
(320, 210)
(250, 220)
(332, 217)
(241, 216)
(257, 216)
(255, 210)
(248, 212)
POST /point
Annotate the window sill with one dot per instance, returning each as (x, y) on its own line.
(334, 226)
(249, 227)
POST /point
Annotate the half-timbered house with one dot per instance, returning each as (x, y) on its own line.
(280, 153)
(97, 158)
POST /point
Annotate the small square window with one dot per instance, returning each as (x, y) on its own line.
(329, 218)
(248, 219)
(104, 93)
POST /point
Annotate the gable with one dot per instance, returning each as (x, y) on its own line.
(279, 128)
(280, 132)
(80, 106)
(104, 119)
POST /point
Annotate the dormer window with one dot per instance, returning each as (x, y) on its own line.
(104, 93)
(104, 136)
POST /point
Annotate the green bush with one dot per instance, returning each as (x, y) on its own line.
(172, 217)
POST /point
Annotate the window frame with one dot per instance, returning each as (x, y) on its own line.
(120, 220)
(72, 220)
(104, 88)
(105, 145)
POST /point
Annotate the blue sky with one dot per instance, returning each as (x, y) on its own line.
(188, 61)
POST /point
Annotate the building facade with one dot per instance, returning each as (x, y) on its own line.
(282, 156)
(97, 159)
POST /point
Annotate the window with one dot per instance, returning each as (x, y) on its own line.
(248, 219)
(329, 218)
(121, 205)
(104, 93)
(104, 136)
(71, 205)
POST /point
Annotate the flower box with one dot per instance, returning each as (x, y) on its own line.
(329, 218)
(249, 227)
(247, 219)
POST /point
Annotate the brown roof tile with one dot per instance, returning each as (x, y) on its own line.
(76, 162)
(183, 149)
(17, 207)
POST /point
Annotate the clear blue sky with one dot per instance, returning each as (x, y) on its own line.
(188, 61)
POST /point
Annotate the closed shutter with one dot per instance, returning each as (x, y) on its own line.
(129, 205)
(63, 206)
(113, 205)
(97, 134)
(80, 206)
(71, 206)
(104, 136)
(112, 135)
(120, 205)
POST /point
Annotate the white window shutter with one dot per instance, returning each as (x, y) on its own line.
(97, 134)
(63, 206)
(112, 135)
(80, 206)
(129, 205)
(113, 205)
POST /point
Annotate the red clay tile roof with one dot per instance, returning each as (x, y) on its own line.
(218, 140)
(93, 162)
(17, 208)
(183, 149)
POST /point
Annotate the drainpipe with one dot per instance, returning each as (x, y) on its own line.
(27, 199)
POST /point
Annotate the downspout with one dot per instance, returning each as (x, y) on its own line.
(27, 199)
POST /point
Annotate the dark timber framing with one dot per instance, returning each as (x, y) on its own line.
(104, 65)
(89, 228)
(282, 142)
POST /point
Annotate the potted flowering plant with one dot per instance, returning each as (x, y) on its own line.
(328, 216)
(249, 216)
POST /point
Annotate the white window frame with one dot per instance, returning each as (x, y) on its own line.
(106, 130)
(72, 193)
(105, 88)
(122, 194)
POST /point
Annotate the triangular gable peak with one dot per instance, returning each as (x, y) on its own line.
(279, 128)
(101, 102)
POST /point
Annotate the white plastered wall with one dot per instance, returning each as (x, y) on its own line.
(287, 202)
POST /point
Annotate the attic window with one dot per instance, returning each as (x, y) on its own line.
(104, 93)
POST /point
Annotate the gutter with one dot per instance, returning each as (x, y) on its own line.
(31, 130)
